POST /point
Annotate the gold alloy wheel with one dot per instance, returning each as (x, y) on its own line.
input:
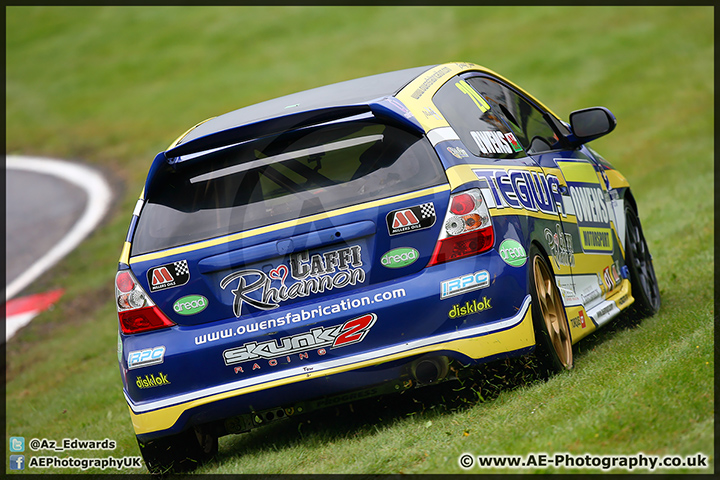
(553, 314)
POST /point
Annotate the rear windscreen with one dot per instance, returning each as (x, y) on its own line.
(281, 177)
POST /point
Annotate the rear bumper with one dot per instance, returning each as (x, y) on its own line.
(472, 345)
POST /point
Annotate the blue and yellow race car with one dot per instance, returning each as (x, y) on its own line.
(361, 238)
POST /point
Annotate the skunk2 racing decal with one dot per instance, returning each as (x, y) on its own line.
(314, 274)
(351, 332)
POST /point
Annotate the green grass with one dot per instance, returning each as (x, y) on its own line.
(112, 86)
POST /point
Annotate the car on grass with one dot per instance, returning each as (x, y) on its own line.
(362, 238)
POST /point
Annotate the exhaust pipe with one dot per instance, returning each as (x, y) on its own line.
(430, 370)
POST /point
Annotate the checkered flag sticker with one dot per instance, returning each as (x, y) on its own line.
(411, 219)
(162, 277)
(427, 210)
(181, 268)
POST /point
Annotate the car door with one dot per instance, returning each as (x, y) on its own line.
(582, 242)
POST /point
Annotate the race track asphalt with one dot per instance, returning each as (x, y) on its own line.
(51, 206)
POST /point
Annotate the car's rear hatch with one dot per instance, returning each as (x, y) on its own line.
(249, 225)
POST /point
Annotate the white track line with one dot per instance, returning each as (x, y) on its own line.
(99, 197)
(13, 323)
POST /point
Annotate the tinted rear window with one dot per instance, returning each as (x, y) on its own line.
(282, 177)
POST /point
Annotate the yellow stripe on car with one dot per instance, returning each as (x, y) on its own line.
(516, 338)
(288, 224)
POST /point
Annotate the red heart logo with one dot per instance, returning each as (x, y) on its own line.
(279, 273)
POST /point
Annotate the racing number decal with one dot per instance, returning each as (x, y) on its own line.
(479, 101)
(354, 331)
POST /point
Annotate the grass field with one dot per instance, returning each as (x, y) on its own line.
(112, 86)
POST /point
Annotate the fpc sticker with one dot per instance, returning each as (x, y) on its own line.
(144, 358)
(464, 284)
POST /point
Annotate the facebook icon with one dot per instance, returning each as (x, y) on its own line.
(17, 462)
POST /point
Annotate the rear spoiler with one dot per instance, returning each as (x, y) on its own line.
(384, 109)
(388, 109)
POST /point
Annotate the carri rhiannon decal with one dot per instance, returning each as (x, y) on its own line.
(312, 274)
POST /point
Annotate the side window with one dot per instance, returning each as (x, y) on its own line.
(476, 123)
(527, 122)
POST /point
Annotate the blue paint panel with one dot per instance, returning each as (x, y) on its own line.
(328, 236)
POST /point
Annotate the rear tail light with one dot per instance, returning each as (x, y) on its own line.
(467, 229)
(136, 311)
(462, 204)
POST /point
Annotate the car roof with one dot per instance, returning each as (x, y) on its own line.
(350, 92)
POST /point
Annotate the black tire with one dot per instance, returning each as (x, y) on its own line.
(643, 282)
(552, 330)
(178, 453)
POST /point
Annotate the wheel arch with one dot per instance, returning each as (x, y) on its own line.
(548, 360)
(630, 198)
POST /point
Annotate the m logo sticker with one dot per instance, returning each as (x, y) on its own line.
(410, 219)
(169, 275)
(161, 275)
(404, 218)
